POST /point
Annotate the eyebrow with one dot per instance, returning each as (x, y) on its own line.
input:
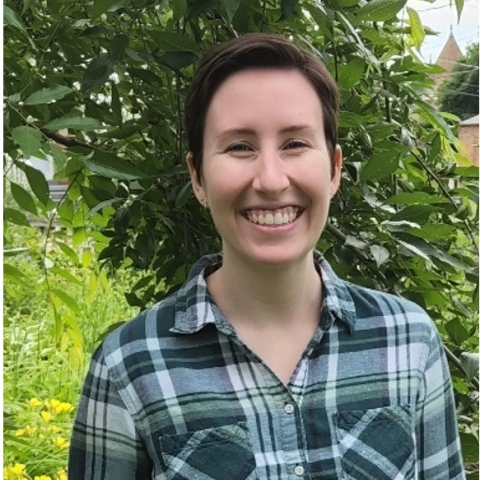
(251, 131)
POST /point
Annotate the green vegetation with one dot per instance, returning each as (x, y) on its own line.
(42, 376)
(459, 94)
(99, 88)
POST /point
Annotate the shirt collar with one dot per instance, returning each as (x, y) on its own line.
(195, 308)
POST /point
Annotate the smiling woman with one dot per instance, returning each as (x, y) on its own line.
(265, 364)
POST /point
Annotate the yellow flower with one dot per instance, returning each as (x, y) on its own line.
(61, 476)
(34, 402)
(20, 432)
(54, 429)
(47, 416)
(18, 469)
(53, 404)
(64, 407)
(30, 430)
(42, 477)
(16, 472)
(61, 442)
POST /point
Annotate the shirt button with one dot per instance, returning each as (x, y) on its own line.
(289, 408)
(299, 470)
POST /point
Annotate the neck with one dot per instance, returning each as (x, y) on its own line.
(267, 295)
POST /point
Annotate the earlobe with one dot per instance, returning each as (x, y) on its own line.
(196, 183)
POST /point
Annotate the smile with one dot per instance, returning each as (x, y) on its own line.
(277, 217)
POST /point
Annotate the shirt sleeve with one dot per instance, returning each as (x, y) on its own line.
(105, 444)
(438, 444)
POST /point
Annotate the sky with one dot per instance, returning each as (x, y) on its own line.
(440, 16)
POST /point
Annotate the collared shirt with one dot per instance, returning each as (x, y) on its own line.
(175, 394)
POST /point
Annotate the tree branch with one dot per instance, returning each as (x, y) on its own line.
(63, 140)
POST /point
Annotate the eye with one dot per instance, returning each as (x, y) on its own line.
(295, 144)
(239, 147)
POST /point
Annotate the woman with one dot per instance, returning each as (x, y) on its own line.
(265, 365)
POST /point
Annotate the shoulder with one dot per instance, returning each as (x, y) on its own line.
(398, 315)
(137, 334)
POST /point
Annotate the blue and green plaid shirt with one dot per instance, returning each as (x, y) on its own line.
(175, 394)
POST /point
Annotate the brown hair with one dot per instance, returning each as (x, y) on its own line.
(255, 50)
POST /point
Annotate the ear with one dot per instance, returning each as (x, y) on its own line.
(337, 170)
(197, 187)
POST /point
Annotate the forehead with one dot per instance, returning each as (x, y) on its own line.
(263, 95)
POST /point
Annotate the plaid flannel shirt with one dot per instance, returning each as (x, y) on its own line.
(175, 394)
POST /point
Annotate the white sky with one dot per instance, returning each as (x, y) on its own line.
(439, 16)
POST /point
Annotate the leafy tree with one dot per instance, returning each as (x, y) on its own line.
(459, 94)
(99, 87)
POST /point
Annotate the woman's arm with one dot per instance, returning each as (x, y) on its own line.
(105, 444)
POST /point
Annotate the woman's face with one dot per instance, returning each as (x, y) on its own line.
(267, 175)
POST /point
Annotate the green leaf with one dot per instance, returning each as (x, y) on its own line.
(380, 254)
(351, 73)
(436, 120)
(11, 18)
(9, 271)
(470, 364)
(287, 7)
(177, 60)
(183, 195)
(116, 104)
(179, 8)
(415, 213)
(75, 123)
(415, 250)
(66, 275)
(380, 165)
(411, 198)
(38, 184)
(67, 300)
(230, 7)
(12, 271)
(434, 231)
(456, 331)
(15, 216)
(111, 166)
(48, 95)
(173, 42)
(28, 139)
(23, 198)
(118, 46)
(97, 73)
(417, 31)
(102, 6)
(459, 4)
(68, 251)
(380, 10)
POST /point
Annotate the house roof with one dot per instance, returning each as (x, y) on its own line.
(470, 121)
(450, 54)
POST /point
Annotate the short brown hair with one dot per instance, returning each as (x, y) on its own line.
(255, 50)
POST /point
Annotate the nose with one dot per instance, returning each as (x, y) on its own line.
(270, 175)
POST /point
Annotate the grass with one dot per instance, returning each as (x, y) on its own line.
(48, 341)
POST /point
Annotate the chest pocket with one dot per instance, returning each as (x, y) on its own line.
(211, 454)
(376, 444)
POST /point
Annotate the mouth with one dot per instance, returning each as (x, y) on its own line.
(273, 218)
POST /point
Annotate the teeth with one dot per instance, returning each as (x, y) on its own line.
(274, 217)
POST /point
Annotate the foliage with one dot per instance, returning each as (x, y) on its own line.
(41, 440)
(99, 87)
(459, 94)
(42, 379)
